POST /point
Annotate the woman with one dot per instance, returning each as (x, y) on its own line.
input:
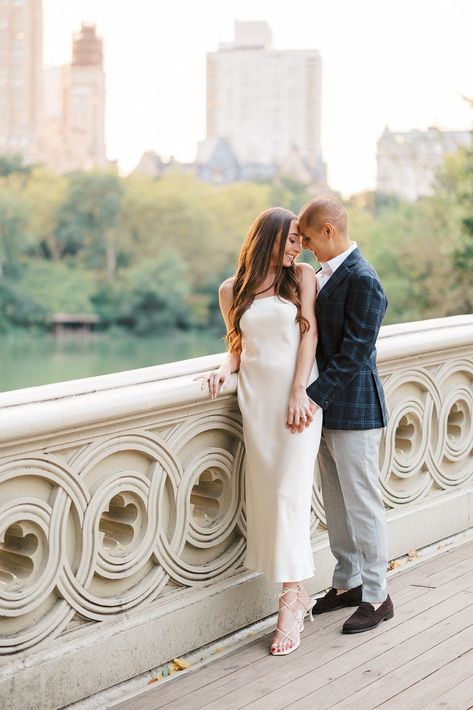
(269, 311)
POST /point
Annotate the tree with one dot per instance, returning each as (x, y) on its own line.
(289, 193)
(463, 252)
(45, 288)
(158, 295)
(13, 233)
(13, 164)
(45, 192)
(451, 219)
(87, 220)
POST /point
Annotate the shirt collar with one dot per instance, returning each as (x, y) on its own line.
(334, 263)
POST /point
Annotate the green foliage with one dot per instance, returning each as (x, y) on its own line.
(152, 296)
(14, 241)
(87, 220)
(461, 184)
(45, 288)
(156, 295)
(149, 255)
(45, 193)
(289, 193)
(10, 164)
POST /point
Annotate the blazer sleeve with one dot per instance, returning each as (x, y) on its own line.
(365, 309)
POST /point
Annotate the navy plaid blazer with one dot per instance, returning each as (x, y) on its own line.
(350, 308)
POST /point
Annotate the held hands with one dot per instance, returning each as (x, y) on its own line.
(300, 410)
(216, 380)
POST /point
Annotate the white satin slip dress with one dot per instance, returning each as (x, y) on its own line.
(279, 465)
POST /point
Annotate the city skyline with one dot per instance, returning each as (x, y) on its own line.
(399, 64)
(52, 115)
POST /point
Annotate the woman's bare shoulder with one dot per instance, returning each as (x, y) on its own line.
(227, 285)
(226, 288)
(304, 271)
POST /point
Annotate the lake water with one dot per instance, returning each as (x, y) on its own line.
(27, 360)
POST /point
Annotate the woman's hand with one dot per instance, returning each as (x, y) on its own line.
(300, 410)
(216, 380)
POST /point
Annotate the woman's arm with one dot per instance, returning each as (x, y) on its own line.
(300, 409)
(219, 378)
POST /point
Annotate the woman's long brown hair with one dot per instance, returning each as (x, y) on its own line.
(253, 266)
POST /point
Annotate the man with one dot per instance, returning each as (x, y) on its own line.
(350, 308)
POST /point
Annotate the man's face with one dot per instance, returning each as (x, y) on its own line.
(317, 241)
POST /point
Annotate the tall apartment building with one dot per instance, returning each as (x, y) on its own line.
(21, 37)
(85, 111)
(407, 161)
(72, 135)
(264, 102)
(51, 115)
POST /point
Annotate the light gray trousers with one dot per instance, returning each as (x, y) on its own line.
(356, 521)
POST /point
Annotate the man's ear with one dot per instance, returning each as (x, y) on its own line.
(328, 230)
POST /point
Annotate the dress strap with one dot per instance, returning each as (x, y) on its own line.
(264, 290)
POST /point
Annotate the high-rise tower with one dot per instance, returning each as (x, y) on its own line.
(85, 117)
(21, 39)
(264, 102)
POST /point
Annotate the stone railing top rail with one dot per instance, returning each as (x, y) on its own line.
(29, 412)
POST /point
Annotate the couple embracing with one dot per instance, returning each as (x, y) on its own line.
(304, 345)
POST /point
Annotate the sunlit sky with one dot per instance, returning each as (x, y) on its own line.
(401, 63)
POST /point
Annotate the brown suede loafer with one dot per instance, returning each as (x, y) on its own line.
(332, 600)
(366, 617)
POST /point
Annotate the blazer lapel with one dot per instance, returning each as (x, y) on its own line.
(340, 274)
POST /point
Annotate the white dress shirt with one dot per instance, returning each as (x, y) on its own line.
(329, 267)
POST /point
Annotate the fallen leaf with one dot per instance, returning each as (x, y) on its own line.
(394, 564)
(218, 650)
(155, 679)
(412, 554)
(181, 663)
(177, 664)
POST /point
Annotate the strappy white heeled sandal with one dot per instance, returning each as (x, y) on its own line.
(298, 615)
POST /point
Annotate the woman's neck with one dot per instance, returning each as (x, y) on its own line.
(267, 284)
(270, 277)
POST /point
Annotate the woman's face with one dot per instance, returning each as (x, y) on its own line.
(292, 249)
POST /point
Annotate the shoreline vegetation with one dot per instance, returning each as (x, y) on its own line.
(146, 256)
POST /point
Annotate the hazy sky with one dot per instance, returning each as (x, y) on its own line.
(401, 63)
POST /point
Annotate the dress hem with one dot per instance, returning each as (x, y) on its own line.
(277, 577)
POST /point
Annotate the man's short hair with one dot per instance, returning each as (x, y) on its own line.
(323, 210)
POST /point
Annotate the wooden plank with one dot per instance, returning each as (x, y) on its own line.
(421, 571)
(405, 675)
(214, 669)
(425, 691)
(447, 574)
(335, 679)
(315, 651)
(180, 686)
(332, 647)
(234, 670)
(458, 698)
(218, 667)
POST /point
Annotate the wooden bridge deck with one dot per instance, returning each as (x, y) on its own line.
(423, 658)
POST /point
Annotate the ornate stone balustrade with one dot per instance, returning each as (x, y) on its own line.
(122, 521)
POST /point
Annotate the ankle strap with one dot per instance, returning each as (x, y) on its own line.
(286, 590)
(299, 588)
